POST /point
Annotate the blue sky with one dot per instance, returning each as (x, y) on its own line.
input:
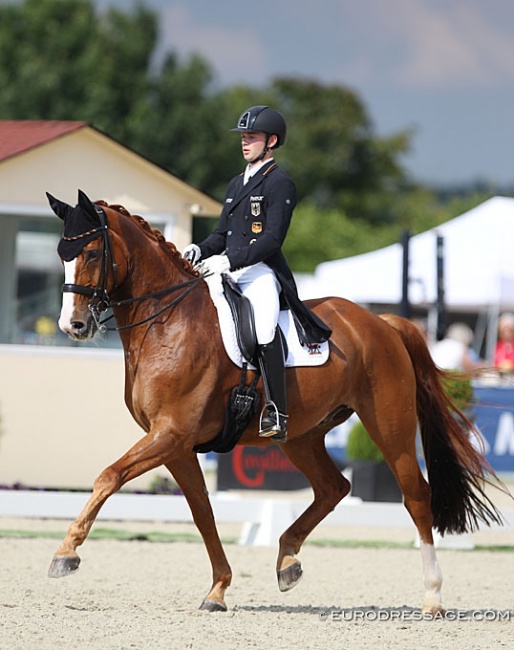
(444, 67)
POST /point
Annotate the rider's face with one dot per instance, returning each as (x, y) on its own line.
(252, 144)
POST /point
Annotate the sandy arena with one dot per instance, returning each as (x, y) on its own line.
(145, 594)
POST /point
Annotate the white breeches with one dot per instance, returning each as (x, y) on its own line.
(260, 285)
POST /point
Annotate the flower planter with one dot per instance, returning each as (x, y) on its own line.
(374, 481)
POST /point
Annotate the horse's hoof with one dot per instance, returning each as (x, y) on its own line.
(434, 611)
(290, 577)
(213, 606)
(63, 566)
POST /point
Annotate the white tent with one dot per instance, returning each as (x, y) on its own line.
(478, 252)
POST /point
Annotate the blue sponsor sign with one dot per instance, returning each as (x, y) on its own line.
(495, 420)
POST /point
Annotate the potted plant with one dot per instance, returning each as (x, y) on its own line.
(372, 480)
(460, 390)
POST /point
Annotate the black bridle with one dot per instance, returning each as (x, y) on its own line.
(100, 299)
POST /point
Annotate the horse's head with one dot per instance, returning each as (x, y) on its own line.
(91, 271)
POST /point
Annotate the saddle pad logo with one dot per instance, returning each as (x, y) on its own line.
(256, 208)
(257, 227)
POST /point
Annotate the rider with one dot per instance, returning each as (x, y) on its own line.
(246, 245)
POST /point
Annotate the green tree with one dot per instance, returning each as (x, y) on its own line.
(59, 60)
(180, 128)
(62, 60)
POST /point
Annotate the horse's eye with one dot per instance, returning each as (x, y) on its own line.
(92, 255)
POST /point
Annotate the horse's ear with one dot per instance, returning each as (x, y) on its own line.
(61, 209)
(88, 206)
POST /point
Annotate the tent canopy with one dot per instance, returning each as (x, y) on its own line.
(478, 253)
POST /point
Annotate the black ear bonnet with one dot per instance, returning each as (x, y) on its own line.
(82, 224)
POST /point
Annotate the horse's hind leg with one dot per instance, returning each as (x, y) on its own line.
(310, 456)
(189, 476)
(399, 451)
(416, 494)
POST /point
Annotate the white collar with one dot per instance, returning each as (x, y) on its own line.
(251, 171)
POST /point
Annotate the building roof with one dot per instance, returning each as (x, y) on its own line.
(18, 136)
(28, 140)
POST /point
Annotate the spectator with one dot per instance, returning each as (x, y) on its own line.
(454, 352)
(504, 351)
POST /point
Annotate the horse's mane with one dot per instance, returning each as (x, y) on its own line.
(153, 233)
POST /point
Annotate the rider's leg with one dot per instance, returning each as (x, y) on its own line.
(260, 285)
(274, 417)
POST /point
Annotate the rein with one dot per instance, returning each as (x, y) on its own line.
(191, 284)
(101, 301)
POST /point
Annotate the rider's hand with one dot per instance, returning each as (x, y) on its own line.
(192, 253)
(215, 264)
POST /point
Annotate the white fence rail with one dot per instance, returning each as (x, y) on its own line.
(262, 520)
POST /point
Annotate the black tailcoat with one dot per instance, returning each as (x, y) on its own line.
(252, 227)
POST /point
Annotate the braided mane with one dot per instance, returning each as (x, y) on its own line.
(154, 234)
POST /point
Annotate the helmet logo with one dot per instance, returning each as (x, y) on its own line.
(244, 120)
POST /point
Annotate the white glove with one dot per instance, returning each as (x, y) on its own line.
(192, 253)
(215, 264)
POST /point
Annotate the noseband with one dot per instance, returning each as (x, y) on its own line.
(100, 299)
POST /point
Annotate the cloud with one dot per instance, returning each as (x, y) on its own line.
(235, 52)
(422, 44)
(408, 45)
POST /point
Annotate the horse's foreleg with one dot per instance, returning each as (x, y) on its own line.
(189, 476)
(310, 456)
(149, 452)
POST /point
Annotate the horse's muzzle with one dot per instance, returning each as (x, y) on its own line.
(80, 329)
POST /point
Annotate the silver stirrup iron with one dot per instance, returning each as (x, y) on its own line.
(278, 430)
(271, 409)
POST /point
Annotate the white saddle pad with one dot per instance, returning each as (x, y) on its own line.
(298, 355)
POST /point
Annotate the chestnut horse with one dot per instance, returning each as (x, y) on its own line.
(178, 379)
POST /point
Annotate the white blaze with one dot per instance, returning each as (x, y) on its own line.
(68, 298)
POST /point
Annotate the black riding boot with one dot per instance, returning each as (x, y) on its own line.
(273, 423)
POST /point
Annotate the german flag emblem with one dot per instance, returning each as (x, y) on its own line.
(257, 227)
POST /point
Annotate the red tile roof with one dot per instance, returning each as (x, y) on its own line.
(19, 136)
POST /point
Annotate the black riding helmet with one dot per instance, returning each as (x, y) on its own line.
(263, 119)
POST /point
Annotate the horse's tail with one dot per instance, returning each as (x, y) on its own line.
(457, 471)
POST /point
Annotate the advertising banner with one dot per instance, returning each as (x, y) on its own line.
(494, 410)
(258, 468)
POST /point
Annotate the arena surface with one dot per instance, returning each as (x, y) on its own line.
(145, 594)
